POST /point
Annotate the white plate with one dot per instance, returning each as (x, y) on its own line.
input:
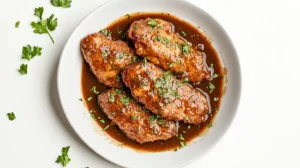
(69, 85)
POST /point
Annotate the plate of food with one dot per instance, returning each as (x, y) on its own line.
(149, 83)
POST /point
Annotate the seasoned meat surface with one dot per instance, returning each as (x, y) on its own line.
(155, 41)
(163, 94)
(135, 121)
(106, 58)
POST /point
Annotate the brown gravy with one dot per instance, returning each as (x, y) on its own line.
(189, 132)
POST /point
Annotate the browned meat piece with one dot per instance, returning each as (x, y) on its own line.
(161, 93)
(155, 40)
(136, 122)
(106, 58)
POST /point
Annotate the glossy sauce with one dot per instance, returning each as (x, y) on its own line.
(189, 132)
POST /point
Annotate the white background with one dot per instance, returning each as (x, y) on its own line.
(265, 132)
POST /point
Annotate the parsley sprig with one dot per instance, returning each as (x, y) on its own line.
(44, 26)
(11, 116)
(61, 3)
(64, 158)
(29, 52)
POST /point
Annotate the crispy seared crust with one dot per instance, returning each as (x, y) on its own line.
(106, 58)
(163, 48)
(135, 121)
(161, 93)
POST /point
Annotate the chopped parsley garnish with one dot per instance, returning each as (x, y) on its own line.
(11, 116)
(185, 80)
(136, 27)
(17, 24)
(93, 116)
(152, 23)
(90, 98)
(181, 137)
(182, 144)
(175, 149)
(185, 48)
(64, 158)
(29, 52)
(118, 77)
(105, 53)
(94, 90)
(111, 97)
(209, 124)
(121, 55)
(128, 16)
(171, 65)
(211, 87)
(111, 64)
(80, 99)
(106, 32)
(211, 65)
(216, 98)
(23, 69)
(106, 127)
(186, 118)
(189, 127)
(102, 121)
(125, 100)
(183, 33)
(145, 62)
(215, 76)
(61, 3)
(44, 26)
(134, 117)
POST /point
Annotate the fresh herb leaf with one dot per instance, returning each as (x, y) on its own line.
(52, 23)
(11, 116)
(145, 62)
(171, 65)
(185, 48)
(175, 149)
(64, 158)
(23, 69)
(106, 32)
(17, 24)
(211, 87)
(94, 90)
(152, 23)
(105, 53)
(44, 26)
(186, 118)
(93, 116)
(125, 100)
(181, 137)
(118, 77)
(106, 127)
(61, 3)
(183, 33)
(80, 99)
(185, 80)
(182, 144)
(111, 97)
(134, 117)
(121, 55)
(136, 27)
(102, 121)
(128, 16)
(90, 98)
(215, 76)
(29, 52)
(209, 124)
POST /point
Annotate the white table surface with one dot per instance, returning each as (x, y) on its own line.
(265, 132)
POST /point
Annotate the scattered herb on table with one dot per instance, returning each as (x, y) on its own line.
(80, 99)
(23, 69)
(61, 3)
(44, 26)
(17, 24)
(64, 158)
(29, 52)
(11, 116)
